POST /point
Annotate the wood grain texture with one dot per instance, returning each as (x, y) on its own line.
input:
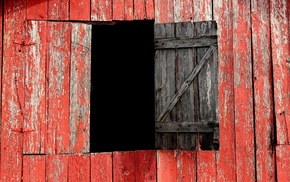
(180, 164)
(80, 10)
(263, 91)
(145, 162)
(35, 120)
(129, 10)
(202, 10)
(79, 167)
(13, 90)
(37, 9)
(80, 85)
(101, 167)
(183, 10)
(165, 84)
(118, 10)
(101, 10)
(164, 11)
(58, 87)
(243, 90)
(124, 166)
(57, 168)
(139, 10)
(280, 53)
(149, 9)
(34, 168)
(206, 166)
(226, 168)
(58, 10)
(282, 162)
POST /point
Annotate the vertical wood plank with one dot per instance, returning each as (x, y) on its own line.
(283, 160)
(183, 10)
(202, 10)
(263, 91)
(13, 90)
(1, 65)
(186, 166)
(139, 10)
(280, 52)
(243, 90)
(119, 10)
(145, 162)
(58, 10)
(165, 84)
(226, 155)
(80, 10)
(80, 76)
(57, 168)
(101, 10)
(34, 168)
(166, 165)
(35, 121)
(124, 166)
(164, 11)
(79, 167)
(149, 9)
(58, 87)
(101, 167)
(37, 9)
(185, 108)
(206, 166)
(176, 165)
(129, 10)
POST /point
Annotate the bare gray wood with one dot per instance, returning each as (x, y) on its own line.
(187, 127)
(185, 85)
(165, 84)
(201, 41)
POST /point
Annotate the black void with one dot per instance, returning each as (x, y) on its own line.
(122, 90)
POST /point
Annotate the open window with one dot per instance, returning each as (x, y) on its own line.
(186, 86)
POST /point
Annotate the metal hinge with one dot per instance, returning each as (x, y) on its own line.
(22, 130)
(24, 43)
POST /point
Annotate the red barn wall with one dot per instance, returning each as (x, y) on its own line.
(253, 94)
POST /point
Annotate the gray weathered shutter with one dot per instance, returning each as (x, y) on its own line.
(186, 85)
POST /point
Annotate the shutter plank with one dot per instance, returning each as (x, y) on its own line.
(80, 9)
(207, 83)
(280, 54)
(226, 155)
(164, 84)
(12, 90)
(34, 168)
(124, 166)
(145, 162)
(58, 91)
(58, 10)
(57, 168)
(79, 167)
(243, 90)
(101, 167)
(185, 107)
(35, 121)
(264, 114)
(101, 10)
(80, 76)
(37, 9)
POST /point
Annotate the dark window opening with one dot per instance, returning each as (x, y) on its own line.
(122, 91)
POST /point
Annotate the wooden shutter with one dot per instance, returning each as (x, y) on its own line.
(186, 85)
(57, 88)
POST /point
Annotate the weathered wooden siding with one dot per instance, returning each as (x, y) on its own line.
(253, 93)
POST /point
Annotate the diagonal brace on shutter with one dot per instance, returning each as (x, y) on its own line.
(186, 84)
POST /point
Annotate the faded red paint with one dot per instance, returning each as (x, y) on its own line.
(34, 168)
(101, 10)
(101, 167)
(79, 167)
(145, 165)
(263, 92)
(58, 10)
(79, 10)
(206, 166)
(37, 9)
(123, 166)
(57, 168)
